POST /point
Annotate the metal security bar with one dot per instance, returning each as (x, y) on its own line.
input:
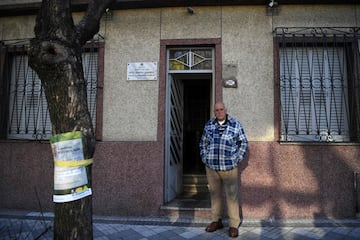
(27, 111)
(319, 84)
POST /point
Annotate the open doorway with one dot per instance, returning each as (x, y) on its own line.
(196, 113)
(189, 103)
(190, 91)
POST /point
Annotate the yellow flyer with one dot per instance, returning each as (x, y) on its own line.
(70, 168)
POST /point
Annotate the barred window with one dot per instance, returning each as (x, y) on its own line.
(317, 80)
(27, 111)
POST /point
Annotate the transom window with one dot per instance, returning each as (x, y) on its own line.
(316, 80)
(190, 59)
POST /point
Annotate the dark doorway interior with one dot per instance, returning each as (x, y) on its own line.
(196, 114)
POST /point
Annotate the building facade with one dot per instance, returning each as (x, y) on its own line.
(290, 74)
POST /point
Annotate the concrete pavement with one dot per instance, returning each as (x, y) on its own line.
(34, 225)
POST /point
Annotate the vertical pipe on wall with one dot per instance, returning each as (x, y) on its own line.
(356, 194)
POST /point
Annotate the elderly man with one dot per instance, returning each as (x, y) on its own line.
(222, 146)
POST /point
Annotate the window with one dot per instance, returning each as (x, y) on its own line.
(317, 76)
(28, 112)
(27, 115)
(191, 59)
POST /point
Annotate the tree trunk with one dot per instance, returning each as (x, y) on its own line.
(65, 91)
(55, 54)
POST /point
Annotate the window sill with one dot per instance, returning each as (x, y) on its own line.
(321, 143)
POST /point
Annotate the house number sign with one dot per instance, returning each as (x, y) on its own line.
(142, 71)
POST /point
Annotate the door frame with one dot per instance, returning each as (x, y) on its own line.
(216, 94)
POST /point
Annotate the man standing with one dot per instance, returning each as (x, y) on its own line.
(222, 146)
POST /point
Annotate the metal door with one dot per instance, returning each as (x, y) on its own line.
(174, 137)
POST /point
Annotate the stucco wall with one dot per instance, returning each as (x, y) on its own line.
(246, 33)
(177, 23)
(17, 28)
(130, 108)
(247, 43)
(317, 15)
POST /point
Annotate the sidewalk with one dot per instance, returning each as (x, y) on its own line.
(33, 225)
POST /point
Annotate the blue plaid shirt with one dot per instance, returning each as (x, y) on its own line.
(222, 147)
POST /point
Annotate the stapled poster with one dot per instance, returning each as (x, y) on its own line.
(70, 168)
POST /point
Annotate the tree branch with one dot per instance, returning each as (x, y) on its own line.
(90, 23)
(54, 21)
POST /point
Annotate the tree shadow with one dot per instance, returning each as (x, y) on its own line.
(335, 178)
(242, 166)
(304, 181)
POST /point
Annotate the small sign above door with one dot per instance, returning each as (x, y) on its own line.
(142, 71)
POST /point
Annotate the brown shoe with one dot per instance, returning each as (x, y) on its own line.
(214, 226)
(233, 232)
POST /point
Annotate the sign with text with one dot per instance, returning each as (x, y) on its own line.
(71, 180)
(142, 71)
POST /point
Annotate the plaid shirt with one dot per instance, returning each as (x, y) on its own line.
(222, 147)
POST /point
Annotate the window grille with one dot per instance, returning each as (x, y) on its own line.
(28, 115)
(28, 112)
(319, 84)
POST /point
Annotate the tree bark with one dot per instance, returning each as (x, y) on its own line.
(55, 54)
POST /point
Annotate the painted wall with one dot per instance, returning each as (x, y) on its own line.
(16, 28)
(288, 180)
(246, 34)
(247, 43)
(130, 108)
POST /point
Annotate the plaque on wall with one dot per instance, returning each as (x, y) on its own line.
(142, 71)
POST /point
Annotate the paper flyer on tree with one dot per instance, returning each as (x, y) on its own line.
(70, 168)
